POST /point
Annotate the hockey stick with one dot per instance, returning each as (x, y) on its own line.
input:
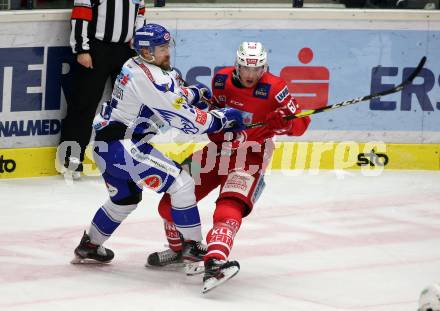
(354, 100)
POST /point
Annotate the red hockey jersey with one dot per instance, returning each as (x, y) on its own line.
(256, 103)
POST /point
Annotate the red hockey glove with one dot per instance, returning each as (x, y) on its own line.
(275, 121)
(221, 137)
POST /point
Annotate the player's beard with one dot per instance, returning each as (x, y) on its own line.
(166, 64)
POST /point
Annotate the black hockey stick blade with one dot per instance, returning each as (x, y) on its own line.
(344, 103)
(399, 87)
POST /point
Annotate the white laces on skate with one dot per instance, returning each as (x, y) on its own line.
(167, 255)
(193, 251)
(101, 250)
(202, 247)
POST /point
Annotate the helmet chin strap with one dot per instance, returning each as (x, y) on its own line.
(151, 61)
(235, 73)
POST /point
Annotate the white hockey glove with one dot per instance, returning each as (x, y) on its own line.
(230, 119)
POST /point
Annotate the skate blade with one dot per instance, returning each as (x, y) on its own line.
(212, 283)
(194, 268)
(87, 261)
(70, 175)
(174, 267)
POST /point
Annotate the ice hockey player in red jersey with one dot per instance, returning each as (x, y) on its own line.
(235, 162)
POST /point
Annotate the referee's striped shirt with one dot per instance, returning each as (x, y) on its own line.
(105, 20)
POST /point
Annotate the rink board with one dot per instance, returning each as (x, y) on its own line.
(325, 56)
(371, 157)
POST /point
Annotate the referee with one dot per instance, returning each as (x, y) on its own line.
(100, 41)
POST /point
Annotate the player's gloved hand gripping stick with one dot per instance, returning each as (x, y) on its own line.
(344, 103)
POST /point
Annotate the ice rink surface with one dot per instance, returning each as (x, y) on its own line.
(321, 242)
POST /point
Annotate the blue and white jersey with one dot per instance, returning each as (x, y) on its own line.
(147, 99)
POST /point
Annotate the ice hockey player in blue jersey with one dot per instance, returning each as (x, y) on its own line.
(148, 98)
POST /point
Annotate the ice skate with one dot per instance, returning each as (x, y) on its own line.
(193, 253)
(217, 272)
(86, 252)
(165, 260)
(72, 168)
(190, 259)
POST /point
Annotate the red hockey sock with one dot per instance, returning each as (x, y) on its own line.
(171, 231)
(165, 208)
(173, 236)
(227, 221)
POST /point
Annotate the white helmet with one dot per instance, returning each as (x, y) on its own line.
(430, 298)
(251, 54)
